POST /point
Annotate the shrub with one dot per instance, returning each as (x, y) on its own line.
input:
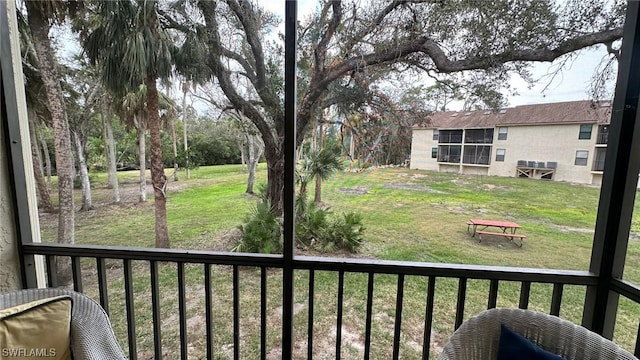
(316, 228)
(261, 231)
(347, 232)
(312, 223)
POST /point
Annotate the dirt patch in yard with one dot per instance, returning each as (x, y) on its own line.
(416, 187)
(358, 190)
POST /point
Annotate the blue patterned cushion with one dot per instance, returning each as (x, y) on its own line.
(513, 346)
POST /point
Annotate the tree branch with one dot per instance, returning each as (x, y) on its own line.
(444, 64)
(247, 17)
(208, 9)
(321, 50)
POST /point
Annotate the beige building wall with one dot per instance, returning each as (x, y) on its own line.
(539, 143)
(9, 263)
(475, 170)
(421, 144)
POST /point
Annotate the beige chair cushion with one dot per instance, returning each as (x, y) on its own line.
(38, 329)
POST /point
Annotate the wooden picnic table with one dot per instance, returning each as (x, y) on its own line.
(477, 228)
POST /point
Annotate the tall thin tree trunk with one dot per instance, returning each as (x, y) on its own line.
(251, 164)
(84, 174)
(172, 121)
(352, 148)
(110, 152)
(243, 155)
(47, 155)
(317, 197)
(185, 89)
(39, 27)
(158, 178)
(44, 200)
(142, 158)
(33, 137)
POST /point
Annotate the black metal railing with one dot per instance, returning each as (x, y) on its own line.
(96, 261)
(603, 138)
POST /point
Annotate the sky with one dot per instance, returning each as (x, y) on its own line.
(572, 83)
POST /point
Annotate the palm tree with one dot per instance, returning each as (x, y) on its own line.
(133, 111)
(131, 48)
(318, 164)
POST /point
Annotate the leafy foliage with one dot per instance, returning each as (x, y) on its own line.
(261, 231)
(317, 228)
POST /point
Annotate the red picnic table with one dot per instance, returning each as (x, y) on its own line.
(477, 228)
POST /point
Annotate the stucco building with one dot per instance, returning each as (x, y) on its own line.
(558, 141)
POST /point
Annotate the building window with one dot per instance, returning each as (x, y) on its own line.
(500, 154)
(436, 135)
(478, 136)
(434, 152)
(598, 160)
(585, 132)
(476, 154)
(502, 133)
(450, 136)
(449, 153)
(581, 157)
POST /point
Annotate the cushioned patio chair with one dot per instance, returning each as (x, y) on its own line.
(92, 337)
(478, 337)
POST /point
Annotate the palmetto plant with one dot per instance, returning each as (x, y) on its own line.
(322, 163)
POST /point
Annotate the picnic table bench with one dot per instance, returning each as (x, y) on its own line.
(507, 229)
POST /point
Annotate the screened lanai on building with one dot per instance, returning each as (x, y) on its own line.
(564, 141)
(27, 263)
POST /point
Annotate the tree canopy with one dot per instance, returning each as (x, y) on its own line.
(476, 43)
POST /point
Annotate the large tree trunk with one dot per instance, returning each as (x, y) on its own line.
(185, 89)
(84, 174)
(39, 27)
(275, 179)
(110, 152)
(44, 200)
(142, 158)
(158, 178)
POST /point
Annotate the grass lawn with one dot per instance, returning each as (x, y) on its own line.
(409, 215)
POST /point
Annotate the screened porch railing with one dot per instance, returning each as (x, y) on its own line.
(99, 260)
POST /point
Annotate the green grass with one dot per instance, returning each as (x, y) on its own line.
(409, 215)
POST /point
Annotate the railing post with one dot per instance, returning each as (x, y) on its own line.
(288, 203)
(619, 184)
(16, 129)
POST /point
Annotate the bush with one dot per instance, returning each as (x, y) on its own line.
(261, 231)
(347, 232)
(316, 228)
